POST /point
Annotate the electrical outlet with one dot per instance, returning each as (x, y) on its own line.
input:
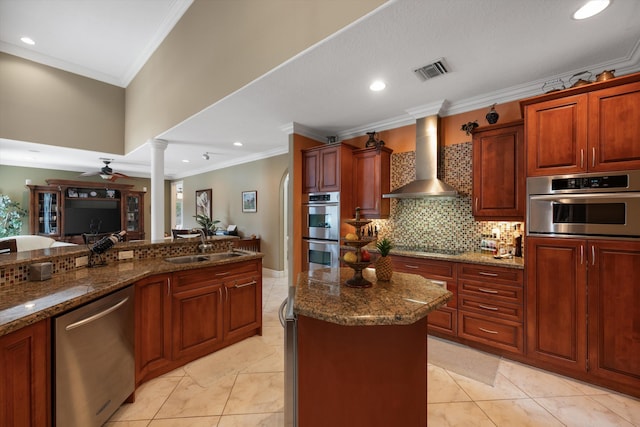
(125, 255)
(81, 261)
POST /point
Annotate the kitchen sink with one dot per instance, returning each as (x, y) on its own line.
(186, 259)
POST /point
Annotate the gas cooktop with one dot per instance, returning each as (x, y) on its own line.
(428, 249)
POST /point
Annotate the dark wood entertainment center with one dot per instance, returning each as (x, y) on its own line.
(64, 210)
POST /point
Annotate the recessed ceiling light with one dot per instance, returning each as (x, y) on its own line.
(28, 40)
(185, 161)
(238, 144)
(377, 86)
(590, 8)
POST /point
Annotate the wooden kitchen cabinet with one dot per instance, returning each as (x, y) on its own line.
(152, 326)
(557, 302)
(326, 168)
(582, 309)
(25, 376)
(133, 215)
(372, 179)
(443, 321)
(591, 128)
(499, 172)
(491, 306)
(190, 313)
(614, 311)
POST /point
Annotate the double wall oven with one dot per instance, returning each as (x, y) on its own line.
(585, 205)
(321, 230)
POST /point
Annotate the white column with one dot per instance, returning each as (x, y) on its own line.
(158, 148)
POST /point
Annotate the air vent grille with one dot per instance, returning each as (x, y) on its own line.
(432, 70)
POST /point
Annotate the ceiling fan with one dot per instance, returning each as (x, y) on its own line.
(106, 172)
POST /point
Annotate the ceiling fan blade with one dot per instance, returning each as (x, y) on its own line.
(90, 173)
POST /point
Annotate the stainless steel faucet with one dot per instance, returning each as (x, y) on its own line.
(203, 246)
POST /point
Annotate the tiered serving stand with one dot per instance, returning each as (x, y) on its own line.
(357, 281)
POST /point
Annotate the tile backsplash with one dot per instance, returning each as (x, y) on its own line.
(443, 223)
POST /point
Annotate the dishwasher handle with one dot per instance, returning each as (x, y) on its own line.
(97, 315)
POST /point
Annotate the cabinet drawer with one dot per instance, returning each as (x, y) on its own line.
(211, 275)
(425, 267)
(492, 292)
(493, 309)
(444, 320)
(501, 334)
(486, 272)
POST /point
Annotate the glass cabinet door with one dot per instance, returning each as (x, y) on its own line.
(133, 220)
(48, 213)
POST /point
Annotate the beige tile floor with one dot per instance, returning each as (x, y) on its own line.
(242, 386)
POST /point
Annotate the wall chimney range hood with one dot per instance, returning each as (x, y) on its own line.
(427, 183)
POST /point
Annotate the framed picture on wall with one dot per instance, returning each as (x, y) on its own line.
(203, 202)
(250, 201)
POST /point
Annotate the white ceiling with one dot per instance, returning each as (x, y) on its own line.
(497, 51)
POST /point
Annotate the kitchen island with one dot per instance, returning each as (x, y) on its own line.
(362, 353)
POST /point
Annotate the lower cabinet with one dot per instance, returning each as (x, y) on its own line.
(491, 306)
(443, 320)
(25, 376)
(583, 316)
(187, 314)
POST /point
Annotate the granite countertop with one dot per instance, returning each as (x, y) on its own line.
(36, 300)
(407, 298)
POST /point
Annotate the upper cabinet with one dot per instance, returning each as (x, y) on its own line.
(591, 128)
(324, 168)
(498, 172)
(372, 179)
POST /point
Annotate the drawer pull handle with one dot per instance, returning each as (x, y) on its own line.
(411, 266)
(251, 283)
(489, 331)
(487, 291)
(440, 283)
(486, 307)
(223, 274)
(484, 273)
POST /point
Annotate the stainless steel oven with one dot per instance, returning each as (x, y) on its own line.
(322, 216)
(592, 204)
(320, 254)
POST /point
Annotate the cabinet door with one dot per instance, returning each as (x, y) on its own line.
(498, 173)
(25, 376)
(242, 306)
(197, 322)
(556, 301)
(556, 136)
(614, 126)
(133, 215)
(614, 311)
(153, 326)
(310, 171)
(46, 213)
(329, 169)
(371, 179)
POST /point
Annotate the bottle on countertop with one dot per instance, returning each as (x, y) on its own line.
(517, 241)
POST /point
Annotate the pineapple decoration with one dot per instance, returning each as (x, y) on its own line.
(384, 269)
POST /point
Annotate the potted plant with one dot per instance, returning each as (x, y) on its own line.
(208, 225)
(384, 269)
(11, 215)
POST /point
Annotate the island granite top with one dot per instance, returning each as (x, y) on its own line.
(405, 299)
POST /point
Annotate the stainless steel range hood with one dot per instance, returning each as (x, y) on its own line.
(427, 183)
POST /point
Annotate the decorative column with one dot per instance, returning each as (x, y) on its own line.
(158, 147)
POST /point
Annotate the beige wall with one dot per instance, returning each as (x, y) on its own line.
(264, 176)
(45, 105)
(220, 46)
(12, 183)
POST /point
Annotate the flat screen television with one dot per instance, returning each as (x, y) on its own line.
(86, 216)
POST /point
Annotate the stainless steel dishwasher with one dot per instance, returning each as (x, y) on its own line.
(94, 360)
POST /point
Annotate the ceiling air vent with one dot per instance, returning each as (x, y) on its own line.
(430, 71)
